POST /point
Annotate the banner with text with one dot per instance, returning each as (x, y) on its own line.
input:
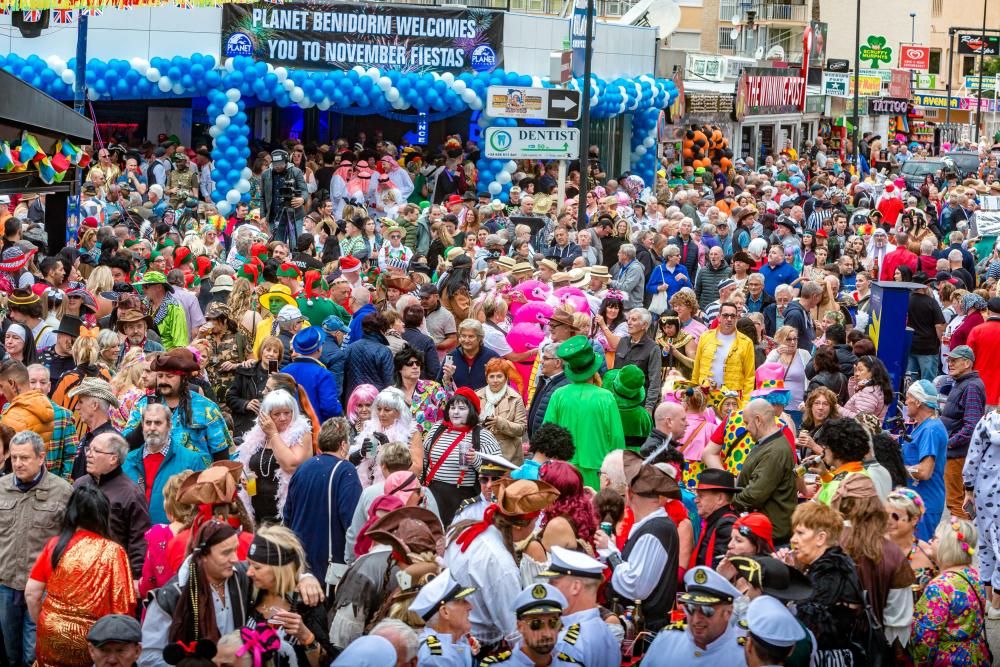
(763, 91)
(341, 36)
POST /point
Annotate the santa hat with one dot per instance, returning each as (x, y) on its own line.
(259, 251)
(203, 265)
(182, 256)
(289, 270)
(314, 285)
(249, 271)
(349, 264)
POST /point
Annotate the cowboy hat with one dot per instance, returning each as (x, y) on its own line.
(95, 388)
(280, 292)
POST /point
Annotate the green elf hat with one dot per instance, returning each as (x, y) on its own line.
(203, 265)
(182, 257)
(250, 272)
(128, 243)
(259, 251)
(153, 256)
(165, 243)
(289, 270)
(313, 285)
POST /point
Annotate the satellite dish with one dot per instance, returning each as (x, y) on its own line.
(734, 34)
(665, 15)
(736, 19)
(759, 53)
(776, 52)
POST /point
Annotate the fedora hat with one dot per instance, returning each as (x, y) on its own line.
(599, 271)
(628, 383)
(154, 278)
(773, 577)
(560, 316)
(519, 497)
(216, 485)
(95, 388)
(580, 362)
(126, 315)
(713, 479)
(401, 283)
(409, 530)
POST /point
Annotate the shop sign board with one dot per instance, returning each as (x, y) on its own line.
(537, 103)
(320, 36)
(578, 35)
(888, 106)
(868, 86)
(957, 103)
(927, 81)
(537, 143)
(764, 91)
(913, 56)
(712, 68)
(985, 82)
(836, 84)
(975, 44)
(899, 85)
(708, 103)
(884, 75)
(875, 51)
(838, 65)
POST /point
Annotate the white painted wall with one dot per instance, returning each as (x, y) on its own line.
(146, 32)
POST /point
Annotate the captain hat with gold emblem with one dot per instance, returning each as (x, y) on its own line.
(569, 563)
(539, 599)
(703, 585)
(438, 592)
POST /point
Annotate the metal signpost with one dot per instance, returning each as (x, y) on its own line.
(535, 103)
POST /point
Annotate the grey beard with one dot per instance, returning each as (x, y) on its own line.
(157, 442)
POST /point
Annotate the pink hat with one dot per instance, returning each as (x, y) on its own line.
(402, 485)
(771, 370)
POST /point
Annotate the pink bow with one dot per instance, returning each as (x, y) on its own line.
(260, 641)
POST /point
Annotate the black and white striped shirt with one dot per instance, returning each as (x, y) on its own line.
(452, 468)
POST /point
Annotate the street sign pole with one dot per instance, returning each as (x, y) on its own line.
(561, 189)
(581, 216)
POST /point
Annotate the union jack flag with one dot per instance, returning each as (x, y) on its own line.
(62, 16)
(91, 12)
(275, 2)
(32, 16)
(184, 4)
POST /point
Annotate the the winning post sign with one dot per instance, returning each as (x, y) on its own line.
(307, 36)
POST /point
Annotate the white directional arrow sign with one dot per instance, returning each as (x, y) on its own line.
(535, 103)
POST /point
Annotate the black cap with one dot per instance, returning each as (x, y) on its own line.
(817, 186)
(427, 289)
(994, 304)
(115, 628)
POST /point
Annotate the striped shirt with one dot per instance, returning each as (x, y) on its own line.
(454, 467)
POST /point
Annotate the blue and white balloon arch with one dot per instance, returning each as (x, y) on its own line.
(358, 91)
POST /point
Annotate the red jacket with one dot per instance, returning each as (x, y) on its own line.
(898, 257)
(985, 342)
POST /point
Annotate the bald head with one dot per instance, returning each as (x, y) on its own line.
(670, 418)
(758, 415)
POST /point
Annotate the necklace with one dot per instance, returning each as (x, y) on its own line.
(260, 464)
(220, 591)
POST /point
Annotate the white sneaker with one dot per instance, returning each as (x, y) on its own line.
(993, 614)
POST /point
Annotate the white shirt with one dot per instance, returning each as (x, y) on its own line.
(721, 354)
(636, 578)
(496, 339)
(488, 566)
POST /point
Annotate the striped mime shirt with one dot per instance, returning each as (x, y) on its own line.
(454, 465)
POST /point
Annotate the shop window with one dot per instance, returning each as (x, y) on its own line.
(934, 62)
(968, 65)
(726, 42)
(727, 8)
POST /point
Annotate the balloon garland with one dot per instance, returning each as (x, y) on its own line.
(705, 145)
(360, 90)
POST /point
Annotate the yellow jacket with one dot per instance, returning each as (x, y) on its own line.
(740, 364)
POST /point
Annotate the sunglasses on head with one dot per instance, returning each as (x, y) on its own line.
(537, 624)
(707, 610)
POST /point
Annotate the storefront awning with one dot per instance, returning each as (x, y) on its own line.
(717, 87)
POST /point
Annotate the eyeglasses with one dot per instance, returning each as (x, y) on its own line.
(707, 610)
(896, 516)
(94, 450)
(549, 358)
(537, 624)
(727, 316)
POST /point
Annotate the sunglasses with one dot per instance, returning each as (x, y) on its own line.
(896, 516)
(537, 624)
(707, 610)
(412, 362)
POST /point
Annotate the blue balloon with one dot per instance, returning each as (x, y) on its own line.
(212, 79)
(234, 79)
(222, 142)
(241, 142)
(216, 174)
(240, 118)
(232, 154)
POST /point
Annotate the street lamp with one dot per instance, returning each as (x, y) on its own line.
(913, 40)
(857, 72)
(979, 98)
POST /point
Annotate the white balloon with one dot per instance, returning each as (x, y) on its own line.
(93, 94)
(152, 75)
(270, 68)
(536, 82)
(178, 89)
(359, 69)
(510, 167)
(640, 150)
(230, 64)
(468, 96)
(230, 109)
(56, 64)
(324, 104)
(400, 104)
(222, 121)
(392, 95)
(243, 185)
(233, 94)
(297, 95)
(483, 121)
(224, 208)
(165, 84)
(476, 104)
(373, 73)
(384, 83)
(281, 73)
(495, 188)
(289, 85)
(448, 78)
(459, 86)
(306, 104)
(140, 65)
(435, 76)
(233, 197)
(214, 131)
(503, 177)
(648, 142)
(68, 77)
(247, 173)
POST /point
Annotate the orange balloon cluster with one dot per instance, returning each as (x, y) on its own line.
(705, 145)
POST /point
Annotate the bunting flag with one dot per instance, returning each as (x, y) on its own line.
(51, 169)
(96, 7)
(32, 16)
(91, 12)
(34, 149)
(46, 171)
(62, 16)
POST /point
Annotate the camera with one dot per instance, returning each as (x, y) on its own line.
(288, 192)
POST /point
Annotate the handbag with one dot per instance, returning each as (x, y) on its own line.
(660, 303)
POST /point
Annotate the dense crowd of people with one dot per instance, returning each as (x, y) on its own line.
(372, 417)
